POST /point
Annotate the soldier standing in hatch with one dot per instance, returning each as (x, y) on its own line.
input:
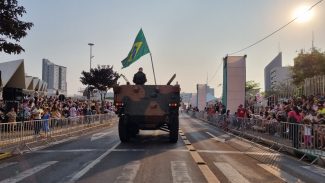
(139, 78)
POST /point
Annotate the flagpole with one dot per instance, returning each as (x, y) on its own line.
(153, 69)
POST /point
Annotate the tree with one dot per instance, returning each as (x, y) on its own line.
(11, 28)
(251, 85)
(101, 78)
(307, 65)
(251, 89)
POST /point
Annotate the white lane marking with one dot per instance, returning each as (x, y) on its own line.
(316, 170)
(52, 143)
(4, 165)
(216, 138)
(63, 140)
(231, 173)
(180, 172)
(114, 150)
(239, 152)
(28, 172)
(147, 150)
(92, 164)
(129, 150)
(97, 136)
(129, 172)
(280, 173)
(225, 136)
(68, 150)
(158, 150)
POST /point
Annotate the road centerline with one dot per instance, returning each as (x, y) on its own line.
(205, 170)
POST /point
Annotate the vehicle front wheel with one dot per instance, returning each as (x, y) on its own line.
(123, 129)
(173, 128)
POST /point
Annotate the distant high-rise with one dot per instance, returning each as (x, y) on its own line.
(210, 91)
(274, 73)
(55, 76)
(276, 62)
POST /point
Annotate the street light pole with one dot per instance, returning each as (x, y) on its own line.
(90, 58)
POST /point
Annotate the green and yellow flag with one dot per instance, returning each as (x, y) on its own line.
(139, 48)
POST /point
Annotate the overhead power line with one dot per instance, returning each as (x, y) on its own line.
(282, 27)
(215, 73)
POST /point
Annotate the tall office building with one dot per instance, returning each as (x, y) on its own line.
(210, 91)
(55, 76)
(279, 75)
(274, 73)
(276, 62)
(201, 96)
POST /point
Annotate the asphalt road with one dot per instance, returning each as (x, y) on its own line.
(150, 158)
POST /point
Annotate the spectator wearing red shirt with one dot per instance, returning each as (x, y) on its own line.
(294, 119)
(241, 111)
(240, 115)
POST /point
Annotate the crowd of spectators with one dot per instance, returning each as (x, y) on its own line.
(299, 119)
(304, 117)
(35, 107)
(303, 109)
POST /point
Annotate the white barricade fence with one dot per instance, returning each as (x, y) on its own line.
(19, 133)
(308, 139)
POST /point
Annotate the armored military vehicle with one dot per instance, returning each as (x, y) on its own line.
(147, 107)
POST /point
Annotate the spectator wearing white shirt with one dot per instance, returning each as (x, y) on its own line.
(73, 111)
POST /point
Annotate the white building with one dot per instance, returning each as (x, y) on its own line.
(204, 95)
(13, 75)
(55, 76)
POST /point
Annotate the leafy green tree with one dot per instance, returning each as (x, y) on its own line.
(11, 28)
(307, 65)
(101, 78)
(251, 88)
(251, 85)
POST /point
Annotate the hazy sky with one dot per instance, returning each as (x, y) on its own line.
(186, 37)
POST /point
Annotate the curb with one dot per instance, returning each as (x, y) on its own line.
(5, 155)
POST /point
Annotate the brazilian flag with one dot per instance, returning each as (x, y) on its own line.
(139, 48)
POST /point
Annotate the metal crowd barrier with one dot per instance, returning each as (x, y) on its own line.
(15, 134)
(308, 139)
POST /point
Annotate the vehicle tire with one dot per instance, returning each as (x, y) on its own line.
(173, 128)
(123, 129)
(133, 131)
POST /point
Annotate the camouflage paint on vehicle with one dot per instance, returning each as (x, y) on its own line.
(148, 106)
